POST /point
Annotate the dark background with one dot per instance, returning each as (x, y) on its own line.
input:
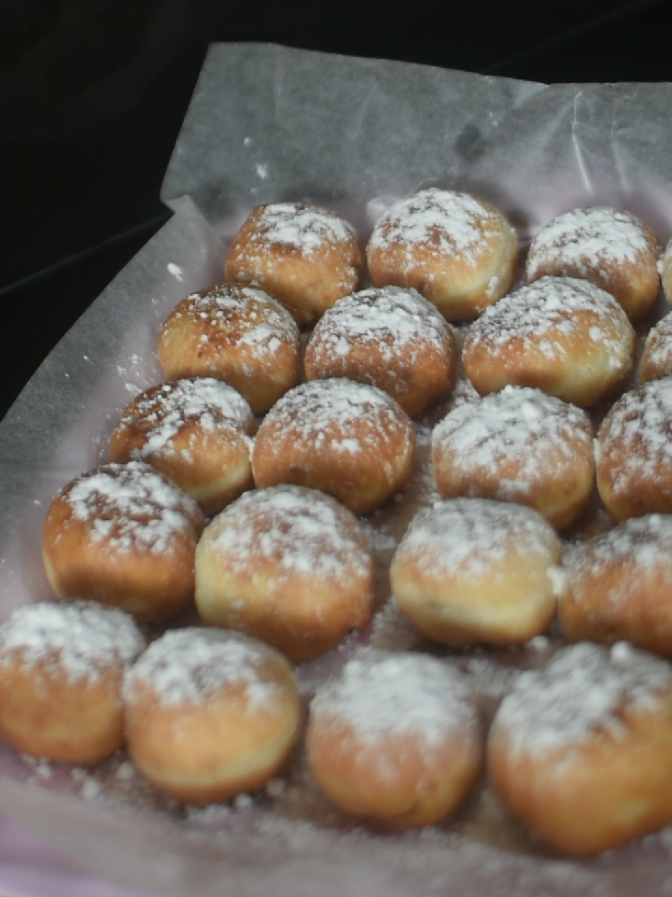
(92, 94)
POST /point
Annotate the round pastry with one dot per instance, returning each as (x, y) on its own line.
(471, 570)
(633, 452)
(196, 432)
(611, 248)
(518, 445)
(305, 256)
(396, 738)
(582, 751)
(565, 336)
(618, 586)
(237, 334)
(61, 673)
(126, 536)
(391, 338)
(656, 360)
(665, 268)
(457, 250)
(288, 565)
(210, 713)
(348, 439)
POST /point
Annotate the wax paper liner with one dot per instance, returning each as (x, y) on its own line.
(269, 123)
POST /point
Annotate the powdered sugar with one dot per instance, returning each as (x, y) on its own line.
(302, 227)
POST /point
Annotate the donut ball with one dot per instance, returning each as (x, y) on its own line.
(565, 336)
(61, 673)
(210, 713)
(304, 256)
(634, 452)
(237, 334)
(350, 440)
(195, 431)
(665, 268)
(395, 738)
(391, 338)
(656, 360)
(124, 535)
(470, 570)
(457, 250)
(288, 565)
(618, 586)
(582, 751)
(518, 445)
(611, 248)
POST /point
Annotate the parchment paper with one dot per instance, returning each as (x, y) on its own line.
(267, 123)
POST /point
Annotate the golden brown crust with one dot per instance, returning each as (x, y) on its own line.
(656, 360)
(305, 256)
(238, 334)
(458, 251)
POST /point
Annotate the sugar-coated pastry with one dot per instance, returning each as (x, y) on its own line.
(665, 269)
(656, 360)
(518, 445)
(61, 673)
(565, 336)
(471, 570)
(612, 248)
(389, 337)
(618, 586)
(303, 255)
(348, 439)
(210, 713)
(459, 251)
(582, 751)
(395, 738)
(238, 334)
(288, 565)
(633, 452)
(124, 535)
(195, 431)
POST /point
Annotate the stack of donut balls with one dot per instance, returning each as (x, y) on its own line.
(225, 540)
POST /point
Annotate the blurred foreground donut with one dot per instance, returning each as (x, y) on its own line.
(618, 586)
(611, 248)
(457, 250)
(237, 334)
(396, 738)
(518, 445)
(471, 570)
(210, 714)
(288, 565)
(61, 673)
(565, 336)
(348, 439)
(391, 338)
(582, 751)
(303, 255)
(126, 536)
(656, 360)
(634, 452)
(195, 431)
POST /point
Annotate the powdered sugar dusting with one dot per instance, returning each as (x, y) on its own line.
(658, 347)
(300, 226)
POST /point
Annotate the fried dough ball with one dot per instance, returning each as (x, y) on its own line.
(582, 751)
(61, 673)
(518, 445)
(210, 713)
(124, 535)
(237, 334)
(656, 360)
(457, 250)
(470, 570)
(396, 738)
(391, 338)
(305, 256)
(611, 248)
(564, 336)
(633, 452)
(196, 432)
(288, 565)
(348, 439)
(618, 586)
(665, 268)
